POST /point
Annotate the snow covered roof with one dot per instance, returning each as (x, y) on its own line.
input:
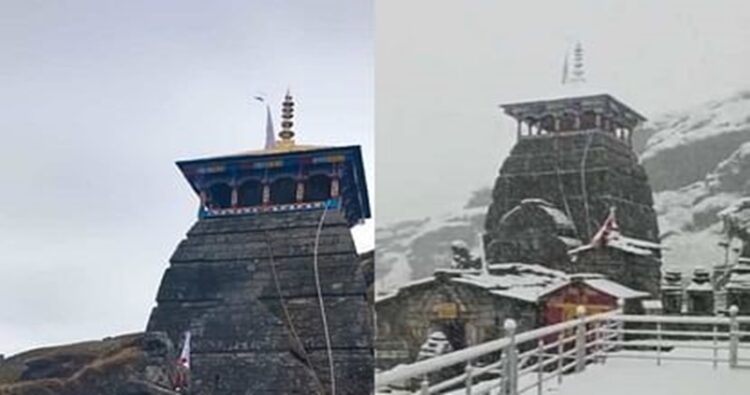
(522, 281)
(526, 282)
(571, 242)
(652, 304)
(702, 287)
(560, 219)
(601, 284)
(394, 293)
(585, 99)
(626, 244)
(739, 281)
(617, 290)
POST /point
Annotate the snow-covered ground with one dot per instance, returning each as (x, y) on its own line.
(623, 376)
(644, 377)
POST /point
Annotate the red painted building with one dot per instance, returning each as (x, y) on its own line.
(596, 293)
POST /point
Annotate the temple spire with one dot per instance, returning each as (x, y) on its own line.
(270, 135)
(287, 115)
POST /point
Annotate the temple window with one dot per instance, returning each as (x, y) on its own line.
(529, 122)
(588, 120)
(548, 123)
(318, 188)
(219, 196)
(250, 193)
(283, 191)
(568, 122)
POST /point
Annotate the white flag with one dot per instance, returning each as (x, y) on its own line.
(270, 135)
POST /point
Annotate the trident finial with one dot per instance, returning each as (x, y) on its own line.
(287, 114)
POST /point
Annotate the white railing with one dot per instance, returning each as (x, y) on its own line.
(518, 363)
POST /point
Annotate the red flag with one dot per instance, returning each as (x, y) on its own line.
(608, 227)
(181, 380)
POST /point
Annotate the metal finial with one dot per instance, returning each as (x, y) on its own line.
(287, 114)
(576, 74)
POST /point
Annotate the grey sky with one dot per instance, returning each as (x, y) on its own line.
(442, 67)
(98, 100)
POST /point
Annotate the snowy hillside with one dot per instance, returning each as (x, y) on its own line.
(413, 249)
(684, 147)
(698, 162)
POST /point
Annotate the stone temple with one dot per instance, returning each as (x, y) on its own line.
(572, 164)
(268, 282)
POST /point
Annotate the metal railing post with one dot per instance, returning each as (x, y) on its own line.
(620, 325)
(658, 344)
(510, 384)
(605, 340)
(540, 369)
(734, 338)
(599, 339)
(560, 351)
(469, 378)
(716, 346)
(581, 339)
(424, 388)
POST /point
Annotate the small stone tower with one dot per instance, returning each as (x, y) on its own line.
(268, 282)
(672, 292)
(700, 293)
(576, 154)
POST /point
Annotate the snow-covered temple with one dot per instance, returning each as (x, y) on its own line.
(571, 223)
(469, 306)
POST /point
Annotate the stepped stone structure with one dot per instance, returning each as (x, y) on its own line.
(574, 153)
(272, 243)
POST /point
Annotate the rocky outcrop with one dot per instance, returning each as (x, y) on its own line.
(136, 364)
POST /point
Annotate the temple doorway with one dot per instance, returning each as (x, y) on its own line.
(454, 330)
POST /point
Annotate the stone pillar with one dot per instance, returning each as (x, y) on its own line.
(235, 196)
(518, 129)
(738, 292)
(335, 187)
(300, 190)
(700, 293)
(204, 198)
(671, 293)
(266, 193)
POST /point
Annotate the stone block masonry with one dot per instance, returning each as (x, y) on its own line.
(245, 288)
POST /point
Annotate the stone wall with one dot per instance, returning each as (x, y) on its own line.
(245, 288)
(642, 273)
(573, 171)
(533, 232)
(404, 321)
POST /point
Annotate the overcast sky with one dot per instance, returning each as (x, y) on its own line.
(443, 66)
(99, 98)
